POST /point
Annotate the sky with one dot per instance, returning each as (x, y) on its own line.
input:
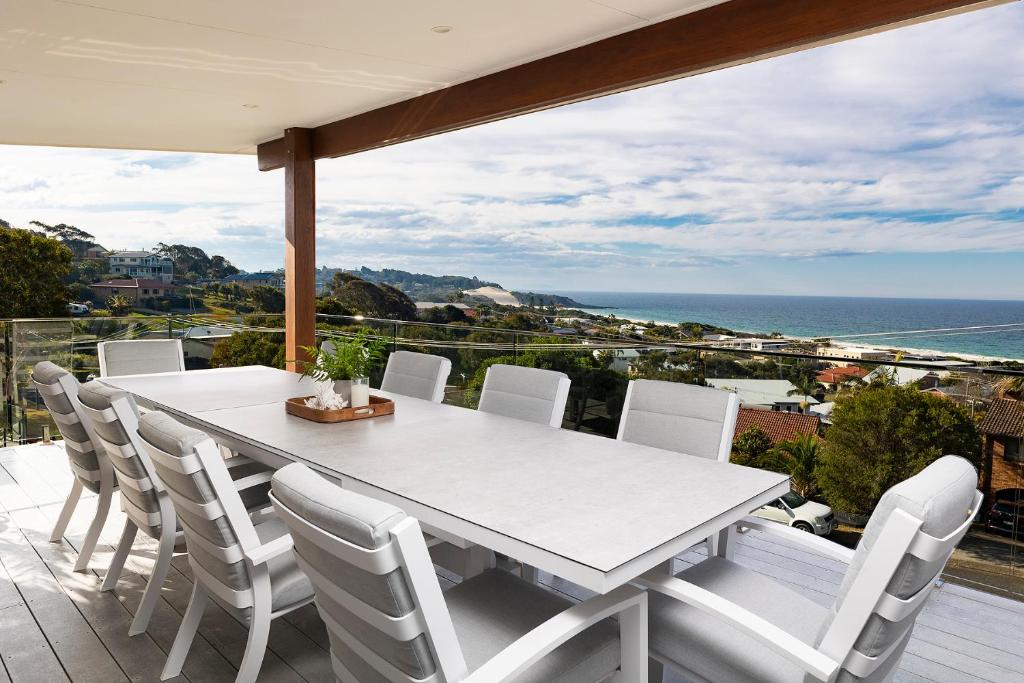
(890, 165)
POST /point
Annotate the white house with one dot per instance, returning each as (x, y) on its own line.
(141, 264)
(764, 393)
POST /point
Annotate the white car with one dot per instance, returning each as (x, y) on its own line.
(799, 513)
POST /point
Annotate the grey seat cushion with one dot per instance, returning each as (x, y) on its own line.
(520, 392)
(676, 417)
(367, 523)
(496, 608)
(49, 374)
(709, 648)
(940, 496)
(415, 374)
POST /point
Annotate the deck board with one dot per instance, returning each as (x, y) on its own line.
(57, 625)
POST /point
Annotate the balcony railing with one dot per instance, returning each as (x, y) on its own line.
(600, 368)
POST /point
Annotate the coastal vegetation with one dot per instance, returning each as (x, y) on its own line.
(32, 274)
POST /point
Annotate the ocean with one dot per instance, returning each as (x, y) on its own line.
(847, 319)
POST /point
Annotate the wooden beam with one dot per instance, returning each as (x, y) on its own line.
(731, 33)
(300, 247)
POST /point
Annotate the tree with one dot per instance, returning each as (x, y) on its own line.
(443, 314)
(884, 434)
(375, 301)
(119, 304)
(77, 240)
(32, 271)
(804, 386)
(249, 348)
(1012, 387)
(267, 299)
(799, 459)
(192, 263)
(751, 448)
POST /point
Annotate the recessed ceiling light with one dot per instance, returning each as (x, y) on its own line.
(440, 29)
(251, 106)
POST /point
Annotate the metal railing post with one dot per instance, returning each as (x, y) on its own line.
(515, 346)
(8, 384)
(394, 338)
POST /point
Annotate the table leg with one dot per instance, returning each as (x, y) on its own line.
(726, 543)
(466, 562)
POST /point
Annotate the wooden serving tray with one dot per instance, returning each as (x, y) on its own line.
(378, 406)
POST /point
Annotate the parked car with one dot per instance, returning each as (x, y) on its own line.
(1006, 516)
(78, 309)
(799, 513)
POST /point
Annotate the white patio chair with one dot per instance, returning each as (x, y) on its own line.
(246, 566)
(680, 417)
(420, 375)
(89, 464)
(388, 620)
(144, 500)
(140, 357)
(719, 621)
(530, 394)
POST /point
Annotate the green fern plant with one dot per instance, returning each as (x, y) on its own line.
(350, 359)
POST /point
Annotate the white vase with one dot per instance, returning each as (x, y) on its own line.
(356, 391)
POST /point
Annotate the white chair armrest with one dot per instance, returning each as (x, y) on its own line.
(809, 659)
(253, 480)
(545, 638)
(811, 542)
(269, 550)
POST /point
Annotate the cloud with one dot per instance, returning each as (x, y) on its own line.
(906, 142)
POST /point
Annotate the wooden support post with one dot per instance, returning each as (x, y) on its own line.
(300, 248)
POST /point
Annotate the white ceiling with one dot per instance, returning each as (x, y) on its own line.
(177, 74)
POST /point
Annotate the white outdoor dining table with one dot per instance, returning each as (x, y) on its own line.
(592, 510)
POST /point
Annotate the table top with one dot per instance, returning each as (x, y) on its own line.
(595, 503)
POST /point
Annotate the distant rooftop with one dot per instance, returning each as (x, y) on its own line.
(132, 254)
(1005, 417)
(249, 277)
(761, 392)
(777, 425)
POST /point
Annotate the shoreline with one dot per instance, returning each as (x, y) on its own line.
(976, 357)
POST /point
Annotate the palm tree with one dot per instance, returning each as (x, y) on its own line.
(799, 458)
(804, 386)
(119, 304)
(1012, 387)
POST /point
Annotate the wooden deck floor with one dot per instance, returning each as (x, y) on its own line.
(56, 625)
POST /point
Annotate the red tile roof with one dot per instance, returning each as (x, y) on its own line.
(777, 425)
(839, 375)
(1005, 417)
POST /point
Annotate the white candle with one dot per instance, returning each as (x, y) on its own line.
(360, 395)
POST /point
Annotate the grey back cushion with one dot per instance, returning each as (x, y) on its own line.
(523, 393)
(420, 375)
(170, 436)
(940, 496)
(676, 417)
(85, 457)
(366, 523)
(141, 356)
(99, 397)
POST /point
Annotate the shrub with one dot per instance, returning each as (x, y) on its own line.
(884, 434)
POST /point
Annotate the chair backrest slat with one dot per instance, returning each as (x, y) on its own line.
(372, 577)
(114, 418)
(420, 375)
(217, 527)
(140, 357)
(679, 417)
(908, 540)
(531, 394)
